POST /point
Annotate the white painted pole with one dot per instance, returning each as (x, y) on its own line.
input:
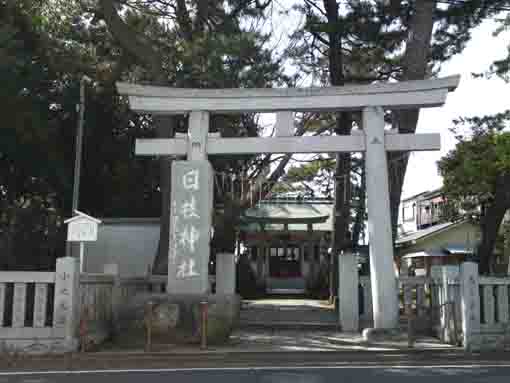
(82, 249)
(382, 274)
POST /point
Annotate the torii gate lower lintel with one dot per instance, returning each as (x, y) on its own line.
(373, 140)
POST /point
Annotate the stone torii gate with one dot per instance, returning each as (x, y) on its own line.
(371, 100)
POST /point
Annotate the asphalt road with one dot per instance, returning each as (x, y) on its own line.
(361, 374)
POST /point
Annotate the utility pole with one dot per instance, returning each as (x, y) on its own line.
(80, 108)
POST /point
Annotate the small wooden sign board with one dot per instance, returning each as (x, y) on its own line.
(82, 228)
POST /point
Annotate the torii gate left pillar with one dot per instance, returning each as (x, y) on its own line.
(370, 99)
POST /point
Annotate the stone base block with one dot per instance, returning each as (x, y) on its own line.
(487, 341)
(38, 346)
(176, 319)
(383, 335)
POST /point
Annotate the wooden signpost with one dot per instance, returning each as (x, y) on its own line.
(82, 228)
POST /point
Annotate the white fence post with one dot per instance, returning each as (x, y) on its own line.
(19, 305)
(40, 302)
(113, 269)
(348, 305)
(66, 304)
(225, 274)
(503, 303)
(470, 301)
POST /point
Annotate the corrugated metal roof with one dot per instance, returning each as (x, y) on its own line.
(419, 234)
(426, 253)
(458, 249)
(423, 195)
(446, 251)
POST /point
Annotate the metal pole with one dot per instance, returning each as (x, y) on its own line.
(148, 325)
(77, 161)
(203, 332)
(82, 260)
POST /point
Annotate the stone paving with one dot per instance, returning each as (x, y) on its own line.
(320, 340)
(301, 325)
(293, 312)
(293, 324)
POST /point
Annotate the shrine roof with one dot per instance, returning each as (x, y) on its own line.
(296, 214)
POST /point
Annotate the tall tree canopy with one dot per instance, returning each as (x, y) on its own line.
(477, 172)
(477, 175)
(46, 46)
(362, 42)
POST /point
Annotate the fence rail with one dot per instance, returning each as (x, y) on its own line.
(36, 308)
(26, 304)
(494, 303)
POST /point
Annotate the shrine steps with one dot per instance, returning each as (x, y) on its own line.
(287, 313)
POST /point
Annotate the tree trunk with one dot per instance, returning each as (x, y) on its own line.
(361, 208)
(342, 215)
(491, 220)
(225, 227)
(165, 127)
(341, 218)
(490, 223)
(415, 67)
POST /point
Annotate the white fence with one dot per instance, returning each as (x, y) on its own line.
(96, 307)
(37, 310)
(436, 306)
(418, 295)
(101, 294)
(55, 311)
(494, 311)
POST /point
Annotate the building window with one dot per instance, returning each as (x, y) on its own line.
(408, 212)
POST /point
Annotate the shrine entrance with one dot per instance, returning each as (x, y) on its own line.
(285, 262)
(286, 240)
(192, 184)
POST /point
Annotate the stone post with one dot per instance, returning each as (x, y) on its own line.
(225, 274)
(66, 304)
(470, 305)
(113, 270)
(348, 305)
(382, 273)
(261, 277)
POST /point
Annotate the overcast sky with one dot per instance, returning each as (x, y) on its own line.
(473, 97)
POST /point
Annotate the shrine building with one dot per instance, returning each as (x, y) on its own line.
(287, 242)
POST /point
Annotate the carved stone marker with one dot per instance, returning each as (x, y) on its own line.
(65, 311)
(190, 227)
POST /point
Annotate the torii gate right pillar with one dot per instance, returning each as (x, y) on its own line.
(382, 273)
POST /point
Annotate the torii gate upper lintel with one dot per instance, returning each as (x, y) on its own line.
(370, 99)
